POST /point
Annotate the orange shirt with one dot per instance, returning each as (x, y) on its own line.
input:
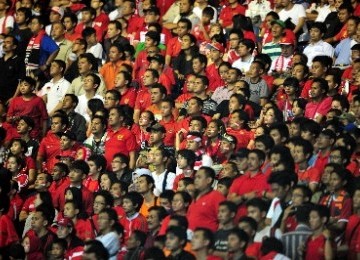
(109, 71)
(342, 34)
(144, 210)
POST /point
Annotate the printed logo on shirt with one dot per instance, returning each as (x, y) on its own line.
(120, 137)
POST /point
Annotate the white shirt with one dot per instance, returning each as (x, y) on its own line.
(266, 232)
(255, 8)
(9, 22)
(111, 242)
(198, 11)
(55, 92)
(316, 49)
(274, 211)
(82, 107)
(243, 66)
(159, 179)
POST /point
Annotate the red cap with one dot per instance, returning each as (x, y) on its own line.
(217, 46)
(287, 40)
(65, 222)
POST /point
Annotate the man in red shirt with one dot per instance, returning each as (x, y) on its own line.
(119, 139)
(325, 142)
(203, 210)
(128, 93)
(101, 19)
(97, 164)
(228, 13)
(88, 20)
(352, 233)
(60, 182)
(50, 145)
(168, 121)
(128, 12)
(250, 185)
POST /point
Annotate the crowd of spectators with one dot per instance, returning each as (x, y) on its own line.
(179, 129)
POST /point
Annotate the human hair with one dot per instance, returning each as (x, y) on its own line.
(117, 24)
(260, 154)
(135, 198)
(88, 31)
(209, 172)
(62, 167)
(168, 195)
(72, 17)
(250, 221)
(265, 59)
(240, 234)
(282, 178)
(39, 19)
(302, 212)
(47, 213)
(201, 57)
(322, 211)
(258, 203)
(160, 211)
(160, 87)
(344, 102)
(242, 22)
(74, 99)
(274, 15)
(238, 32)
(307, 147)
(204, 79)
(154, 35)
(91, 10)
(80, 165)
(250, 44)
(347, 6)
(349, 141)
(154, 253)
(30, 81)
(311, 126)
(231, 206)
(187, 181)
(336, 74)
(271, 244)
(324, 60)
(323, 84)
(90, 58)
(109, 200)
(181, 220)
(266, 140)
(304, 189)
(96, 79)
(95, 104)
(226, 181)
(111, 176)
(127, 77)
(101, 118)
(200, 119)
(149, 180)
(278, 114)
(187, 22)
(185, 196)
(99, 161)
(22, 143)
(320, 26)
(96, 247)
(281, 128)
(26, 12)
(207, 234)
(115, 93)
(188, 155)
(198, 101)
(179, 232)
(301, 103)
(114, 217)
(46, 199)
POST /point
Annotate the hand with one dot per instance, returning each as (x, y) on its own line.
(327, 234)
(43, 67)
(288, 211)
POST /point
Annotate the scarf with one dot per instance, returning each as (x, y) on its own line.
(32, 55)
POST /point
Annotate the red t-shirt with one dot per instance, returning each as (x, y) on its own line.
(29, 204)
(134, 23)
(34, 108)
(213, 75)
(310, 175)
(315, 248)
(81, 26)
(313, 109)
(136, 222)
(119, 141)
(16, 204)
(84, 229)
(228, 13)
(102, 21)
(352, 236)
(57, 190)
(91, 185)
(49, 148)
(8, 233)
(128, 97)
(173, 47)
(243, 137)
(87, 201)
(143, 99)
(247, 183)
(340, 207)
(203, 211)
(306, 89)
(321, 161)
(170, 134)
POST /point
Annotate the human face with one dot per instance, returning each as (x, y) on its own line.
(343, 15)
(315, 35)
(276, 136)
(65, 143)
(114, 118)
(233, 104)
(254, 163)
(12, 165)
(86, 17)
(212, 130)
(128, 206)
(84, 66)
(35, 26)
(55, 69)
(181, 29)
(192, 145)
(185, 6)
(16, 148)
(40, 182)
(289, 90)
(269, 117)
(298, 197)
(215, 55)
(153, 220)
(70, 211)
(76, 176)
(234, 40)
(193, 107)
(56, 173)
(198, 242)
(20, 18)
(200, 87)
(166, 109)
(224, 215)
(63, 232)
(287, 50)
(127, 8)
(57, 252)
(148, 79)
(299, 155)
(226, 147)
(331, 82)
(234, 244)
(294, 130)
(316, 91)
(255, 213)
(276, 30)
(195, 126)
(317, 70)
(307, 135)
(99, 204)
(69, 25)
(172, 242)
(141, 185)
(114, 54)
(336, 183)
(38, 222)
(201, 181)
(69, 195)
(110, 101)
(156, 96)
(223, 71)
(324, 141)
(298, 72)
(8, 45)
(181, 162)
(25, 88)
(178, 204)
(197, 66)
(355, 108)
(278, 191)
(96, 126)
(315, 220)
(93, 168)
(158, 158)
(243, 51)
(156, 137)
(112, 31)
(105, 182)
(151, 17)
(104, 223)
(297, 111)
(57, 31)
(116, 191)
(356, 200)
(186, 42)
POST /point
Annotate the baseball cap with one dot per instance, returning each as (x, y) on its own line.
(228, 138)
(65, 222)
(156, 128)
(347, 116)
(58, 10)
(217, 46)
(279, 22)
(158, 58)
(68, 134)
(287, 41)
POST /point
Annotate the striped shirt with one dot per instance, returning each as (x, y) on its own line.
(293, 240)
